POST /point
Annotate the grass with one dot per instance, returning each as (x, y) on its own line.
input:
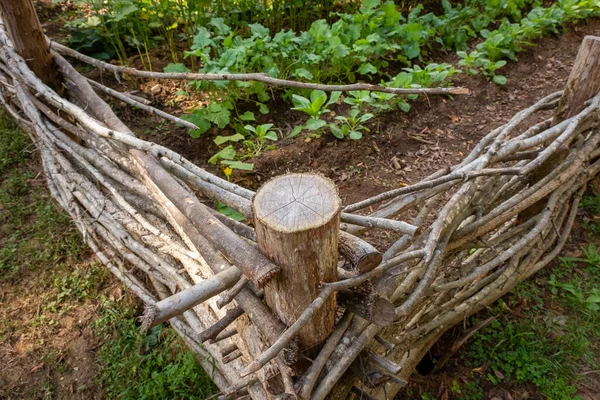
(153, 366)
(32, 231)
(51, 288)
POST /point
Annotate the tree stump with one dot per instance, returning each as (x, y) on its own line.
(297, 219)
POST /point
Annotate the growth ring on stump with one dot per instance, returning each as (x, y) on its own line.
(297, 218)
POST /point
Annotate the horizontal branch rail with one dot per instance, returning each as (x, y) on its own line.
(257, 77)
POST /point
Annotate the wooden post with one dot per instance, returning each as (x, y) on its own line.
(583, 84)
(297, 219)
(29, 40)
(584, 81)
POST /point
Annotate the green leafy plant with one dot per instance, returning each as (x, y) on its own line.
(351, 126)
(432, 75)
(512, 37)
(591, 203)
(315, 106)
(218, 114)
(229, 212)
(260, 134)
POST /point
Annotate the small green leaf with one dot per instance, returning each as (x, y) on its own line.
(263, 109)
(229, 212)
(228, 153)
(412, 51)
(300, 102)
(593, 299)
(336, 131)
(202, 124)
(317, 99)
(179, 67)
(219, 140)
(259, 30)
(355, 135)
(314, 124)
(404, 106)
(296, 131)
(219, 23)
(238, 165)
(366, 117)
(500, 79)
(371, 3)
(367, 68)
(303, 73)
(334, 97)
(271, 136)
(248, 116)
(201, 39)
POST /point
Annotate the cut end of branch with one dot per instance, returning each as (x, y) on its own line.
(252, 367)
(148, 317)
(262, 280)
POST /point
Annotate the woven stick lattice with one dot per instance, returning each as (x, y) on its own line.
(482, 226)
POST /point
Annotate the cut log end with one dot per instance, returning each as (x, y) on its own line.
(296, 202)
(296, 219)
(147, 319)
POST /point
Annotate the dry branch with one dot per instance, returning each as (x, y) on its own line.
(188, 298)
(257, 77)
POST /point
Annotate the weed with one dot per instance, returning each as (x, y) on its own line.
(591, 203)
(525, 353)
(78, 286)
(153, 366)
(550, 349)
(260, 134)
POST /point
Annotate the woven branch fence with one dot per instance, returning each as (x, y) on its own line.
(270, 310)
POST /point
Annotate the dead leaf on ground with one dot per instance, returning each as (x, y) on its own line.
(37, 367)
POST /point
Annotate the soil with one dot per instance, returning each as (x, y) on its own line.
(401, 149)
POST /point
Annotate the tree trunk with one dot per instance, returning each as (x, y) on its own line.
(29, 40)
(297, 219)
